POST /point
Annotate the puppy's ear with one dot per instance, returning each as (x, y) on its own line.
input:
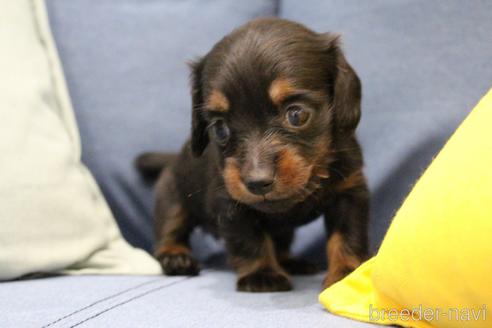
(199, 136)
(347, 88)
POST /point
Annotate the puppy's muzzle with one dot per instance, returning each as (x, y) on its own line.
(259, 172)
(259, 184)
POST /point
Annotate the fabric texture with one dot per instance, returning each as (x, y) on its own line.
(436, 254)
(52, 214)
(208, 300)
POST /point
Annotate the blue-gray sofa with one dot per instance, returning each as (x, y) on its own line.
(423, 65)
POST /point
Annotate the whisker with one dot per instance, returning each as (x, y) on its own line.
(343, 150)
(338, 172)
(217, 188)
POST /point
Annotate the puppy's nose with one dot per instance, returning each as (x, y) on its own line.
(260, 186)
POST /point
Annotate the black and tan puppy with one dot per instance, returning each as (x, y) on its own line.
(272, 147)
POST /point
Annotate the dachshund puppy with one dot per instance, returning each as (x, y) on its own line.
(275, 107)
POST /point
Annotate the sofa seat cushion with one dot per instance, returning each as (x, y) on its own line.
(208, 300)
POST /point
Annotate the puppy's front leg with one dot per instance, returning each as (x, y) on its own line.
(173, 228)
(347, 223)
(253, 257)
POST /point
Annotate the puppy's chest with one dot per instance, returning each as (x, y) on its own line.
(293, 218)
(303, 212)
(298, 215)
(219, 207)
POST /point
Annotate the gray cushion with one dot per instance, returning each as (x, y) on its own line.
(119, 301)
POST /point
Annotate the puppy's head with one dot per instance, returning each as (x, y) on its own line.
(268, 100)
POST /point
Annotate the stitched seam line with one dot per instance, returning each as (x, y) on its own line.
(100, 301)
(150, 291)
(277, 7)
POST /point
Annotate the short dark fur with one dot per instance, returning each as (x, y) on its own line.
(315, 169)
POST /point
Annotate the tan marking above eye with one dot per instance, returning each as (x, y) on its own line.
(280, 89)
(217, 101)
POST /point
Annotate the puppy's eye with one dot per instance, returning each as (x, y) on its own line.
(297, 116)
(221, 132)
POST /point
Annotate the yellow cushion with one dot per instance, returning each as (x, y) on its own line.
(434, 267)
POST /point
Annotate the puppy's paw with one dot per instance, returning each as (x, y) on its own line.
(296, 266)
(265, 280)
(178, 264)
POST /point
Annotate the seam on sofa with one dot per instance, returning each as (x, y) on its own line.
(100, 301)
(150, 291)
(277, 7)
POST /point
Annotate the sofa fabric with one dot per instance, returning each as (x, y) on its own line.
(208, 300)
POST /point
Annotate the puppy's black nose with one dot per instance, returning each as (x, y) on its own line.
(260, 187)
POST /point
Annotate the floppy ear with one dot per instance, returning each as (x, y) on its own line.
(199, 136)
(347, 89)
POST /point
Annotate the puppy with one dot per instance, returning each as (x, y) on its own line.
(275, 107)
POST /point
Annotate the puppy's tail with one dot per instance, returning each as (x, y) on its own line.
(151, 164)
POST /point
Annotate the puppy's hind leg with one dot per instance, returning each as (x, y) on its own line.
(173, 229)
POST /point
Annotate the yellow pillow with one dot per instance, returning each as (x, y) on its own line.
(434, 267)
